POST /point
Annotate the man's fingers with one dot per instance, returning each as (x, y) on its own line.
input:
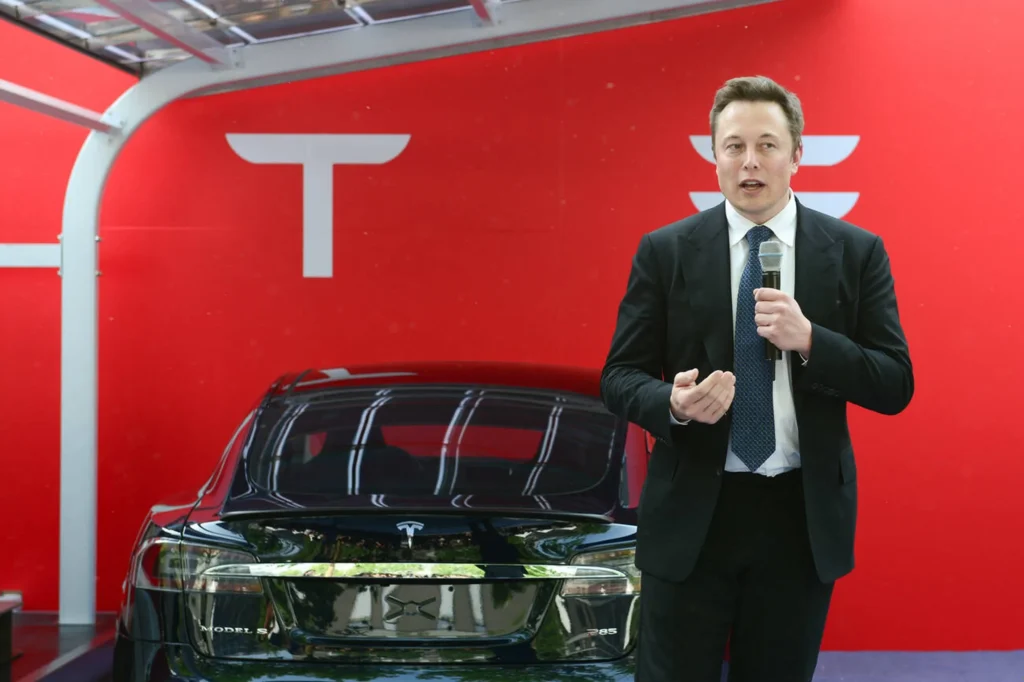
(769, 307)
(704, 407)
(714, 390)
(728, 397)
(703, 401)
(707, 405)
(712, 412)
(767, 294)
(723, 399)
(715, 377)
(716, 410)
(696, 392)
(685, 378)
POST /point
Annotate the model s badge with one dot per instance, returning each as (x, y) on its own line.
(236, 631)
(410, 528)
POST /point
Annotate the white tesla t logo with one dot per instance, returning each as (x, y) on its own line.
(410, 528)
(819, 150)
(318, 155)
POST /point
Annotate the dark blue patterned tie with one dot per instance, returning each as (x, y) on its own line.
(753, 417)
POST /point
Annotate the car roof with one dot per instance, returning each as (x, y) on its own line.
(581, 380)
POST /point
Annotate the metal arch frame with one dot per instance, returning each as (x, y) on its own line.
(258, 65)
(485, 10)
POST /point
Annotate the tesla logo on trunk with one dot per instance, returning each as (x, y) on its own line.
(819, 150)
(410, 528)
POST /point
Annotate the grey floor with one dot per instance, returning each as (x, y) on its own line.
(42, 645)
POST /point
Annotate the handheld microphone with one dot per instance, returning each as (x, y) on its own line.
(770, 255)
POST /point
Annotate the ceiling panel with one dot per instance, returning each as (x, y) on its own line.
(117, 31)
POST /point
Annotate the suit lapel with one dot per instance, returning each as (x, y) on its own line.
(818, 256)
(705, 262)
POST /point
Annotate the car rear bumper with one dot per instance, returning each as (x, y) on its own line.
(155, 662)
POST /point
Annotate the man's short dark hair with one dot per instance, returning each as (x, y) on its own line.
(759, 89)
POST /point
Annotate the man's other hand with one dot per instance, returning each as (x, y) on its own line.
(706, 402)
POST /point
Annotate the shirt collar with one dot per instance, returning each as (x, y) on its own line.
(783, 225)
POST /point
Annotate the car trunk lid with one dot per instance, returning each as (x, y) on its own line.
(399, 588)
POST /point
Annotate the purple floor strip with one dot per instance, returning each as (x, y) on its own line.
(885, 666)
(971, 666)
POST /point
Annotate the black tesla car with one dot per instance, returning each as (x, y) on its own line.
(449, 522)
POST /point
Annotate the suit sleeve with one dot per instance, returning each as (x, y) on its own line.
(872, 368)
(631, 381)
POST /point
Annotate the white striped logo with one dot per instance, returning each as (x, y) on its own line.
(318, 155)
(819, 150)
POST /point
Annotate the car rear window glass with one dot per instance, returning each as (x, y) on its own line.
(424, 442)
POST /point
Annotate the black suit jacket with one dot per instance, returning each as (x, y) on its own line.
(676, 314)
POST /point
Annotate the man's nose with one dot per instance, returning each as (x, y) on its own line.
(750, 160)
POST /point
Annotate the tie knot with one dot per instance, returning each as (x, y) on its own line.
(756, 235)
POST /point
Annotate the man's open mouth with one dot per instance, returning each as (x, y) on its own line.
(751, 184)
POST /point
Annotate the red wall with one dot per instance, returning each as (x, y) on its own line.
(36, 156)
(505, 231)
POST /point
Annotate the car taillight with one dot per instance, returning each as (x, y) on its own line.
(174, 566)
(621, 560)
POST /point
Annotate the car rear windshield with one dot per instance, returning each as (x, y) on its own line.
(416, 442)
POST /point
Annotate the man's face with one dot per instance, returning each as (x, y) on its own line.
(755, 158)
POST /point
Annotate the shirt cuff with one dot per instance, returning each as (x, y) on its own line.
(675, 421)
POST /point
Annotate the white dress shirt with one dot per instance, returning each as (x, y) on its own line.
(787, 441)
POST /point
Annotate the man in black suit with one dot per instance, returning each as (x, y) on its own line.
(748, 513)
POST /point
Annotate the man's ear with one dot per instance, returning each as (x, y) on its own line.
(798, 154)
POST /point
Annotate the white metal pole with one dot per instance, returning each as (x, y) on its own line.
(78, 387)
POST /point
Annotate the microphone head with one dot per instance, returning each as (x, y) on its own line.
(770, 255)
